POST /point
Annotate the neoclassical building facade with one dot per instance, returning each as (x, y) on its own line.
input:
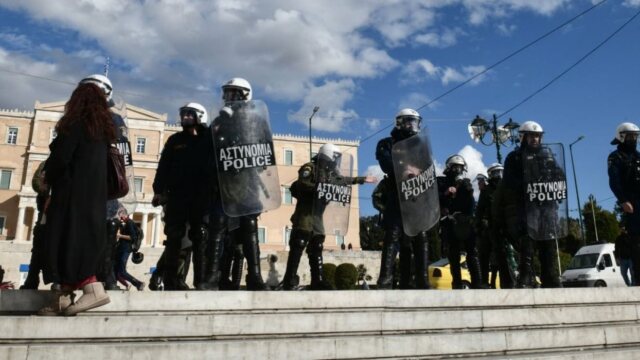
(24, 144)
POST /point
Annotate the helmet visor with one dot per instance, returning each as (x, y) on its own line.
(409, 123)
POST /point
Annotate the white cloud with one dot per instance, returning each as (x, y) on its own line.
(375, 170)
(631, 3)
(475, 165)
(481, 11)
(176, 51)
(373, 123)
(418, 70)
(506, 30)
(439, 39)
(331, 97)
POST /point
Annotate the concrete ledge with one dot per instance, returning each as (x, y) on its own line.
(28, 301)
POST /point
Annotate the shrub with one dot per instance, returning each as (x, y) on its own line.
(346, 276)
(329, 273)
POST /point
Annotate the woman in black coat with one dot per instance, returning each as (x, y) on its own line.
(76, 171)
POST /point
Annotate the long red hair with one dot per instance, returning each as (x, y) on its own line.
(88, 106)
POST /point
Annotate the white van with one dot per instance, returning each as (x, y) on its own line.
(593, 265)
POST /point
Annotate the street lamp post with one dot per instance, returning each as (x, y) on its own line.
(593, 213)
(575, 180)
(315, 110)
(500, 134)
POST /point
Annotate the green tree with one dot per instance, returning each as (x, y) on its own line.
(606, 222)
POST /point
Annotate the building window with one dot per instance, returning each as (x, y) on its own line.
(339, 238)
(141, 144)
(286, 198)
(5, 179)
(262, 235)
(12, 136)
(53, 135)
(137, 182)
(288, 157)
(3, 220)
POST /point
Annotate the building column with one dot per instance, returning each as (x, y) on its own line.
(156, 229)
(19, 225)
(34, 221)
(145, 221)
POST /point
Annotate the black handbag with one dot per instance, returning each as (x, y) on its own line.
(117, 184)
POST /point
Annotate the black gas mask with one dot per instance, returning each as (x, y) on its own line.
(408, 126)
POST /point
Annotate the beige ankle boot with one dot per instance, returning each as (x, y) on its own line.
(93, 296)
(61, 301)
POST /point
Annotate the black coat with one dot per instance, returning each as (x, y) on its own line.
(76, 227)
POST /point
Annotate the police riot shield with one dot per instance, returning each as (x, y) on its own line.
(415, 175)
(546, 198)
(119, 117)
(332, 196)
(245, 159)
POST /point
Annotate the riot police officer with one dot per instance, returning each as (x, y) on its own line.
(183, 179)
(456, 206)
(624, 180)
(237, 185)
(407, 125)
(489, 244)
(308, 229)
(517, 207)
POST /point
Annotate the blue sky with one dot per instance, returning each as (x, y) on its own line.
(359, 61)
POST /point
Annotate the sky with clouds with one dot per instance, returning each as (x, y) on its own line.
(359, 61)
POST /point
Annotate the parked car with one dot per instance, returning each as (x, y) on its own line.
(593, 266)
(440, 274)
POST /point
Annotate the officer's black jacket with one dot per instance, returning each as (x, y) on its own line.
(624, 174)
(184, 168)
(385, 159)
(463, 201)
(483, 209)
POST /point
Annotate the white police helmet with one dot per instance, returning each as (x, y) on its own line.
(103, 83)
(495, 170)
(626, 128)
(199, 110)
(236, 89)
(408, 119)
(529, 127)
(330, 151)
(481, 177)
(456, 160)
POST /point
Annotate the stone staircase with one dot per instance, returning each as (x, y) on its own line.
(595, 323)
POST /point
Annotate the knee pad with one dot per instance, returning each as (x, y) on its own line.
(217, 223)
(199, 233)
(297, 241)
(175, 231)
(249, 223)
(316, 245)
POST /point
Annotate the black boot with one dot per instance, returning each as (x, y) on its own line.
(106, 272)
(251, 248)
(387, 260)
(314, 251)
(549, 264)
(474, 270)
(297, 242)
(236, 270)
(421, 260)
(525, 267)
(405, 263)
(156, 281)
(172, 257)
(215, 250)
